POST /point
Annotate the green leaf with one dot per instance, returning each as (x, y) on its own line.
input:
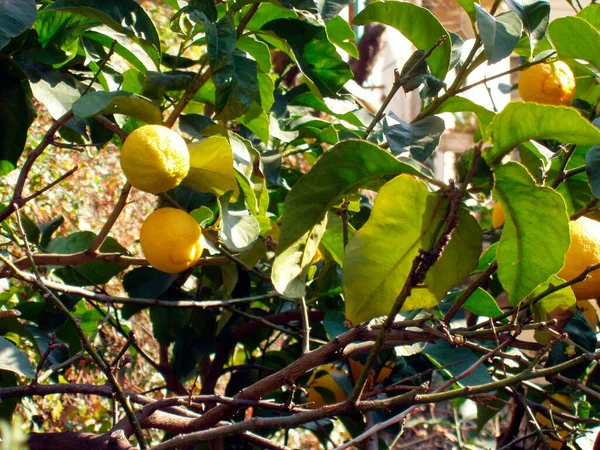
(211, 166)
(345, 168)
(404, 219)
(521, 121)
(127, 54)
(316, 56)
(16, 16)
(237, 86)
(330, 9)
(89, 273)
(480, 303)
(333, 239)
(14, 360)
(575, 190)
(469, 7)
(534, 14)
(341, 34)
(499, 34)
(123, 16)
(574, 38)
(169, 323)
(220, 42)
(563, 299)
(417, 24)
(117, 102)
(16, 113)
(533, 245)
(591, 14)
(455, 361)
(462, 104)
(239, 230)
(420, 138)
(62, 29)
(258, 50)
(257, 121)
(592, 162)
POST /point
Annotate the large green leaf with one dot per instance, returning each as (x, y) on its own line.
(591, 14)
(405, 219)
(499, 35)
(462, 104)
(118, 102)
(532, 246)
(574, 38)
(480, 303)
(316, 56)
(123, 16)
(16, 113)
(220, 42)
(348, 166)
(62, 29)
(211, 166)
(89, 273)
(16, 16)
(522, 121)
(417, 24)
(239, 230)
(14, 360)
(592, 161)
(92, 37)
(420, 138)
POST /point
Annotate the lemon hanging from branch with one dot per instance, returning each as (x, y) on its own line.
(155, 159)
(551, 84)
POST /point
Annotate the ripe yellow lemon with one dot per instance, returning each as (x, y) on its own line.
(324, 379)
(583, 252)
(155, 159)
(497, 215)
(589, 312)
(552, 84)
(170, 240)
(356, 368)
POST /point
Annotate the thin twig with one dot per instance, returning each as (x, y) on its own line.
(111, 50)
(114, 215)
(399, 81)
(50, 186)
(305, 326)
(111, 127)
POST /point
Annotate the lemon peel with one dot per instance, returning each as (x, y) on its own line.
(170, 240)
(326, 381)
(154, 159)
(551, 84)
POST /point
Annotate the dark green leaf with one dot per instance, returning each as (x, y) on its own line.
(534, 14)
(334, 323)
(532, 246)
(417, 24)
(14, 360)
(317, 57)
(420, 138)
(156, 83)
(118, 102)
(16, 16)
(16, 113)
(499, 34)
(8, 405)
(197, 340)
(330, 9)
(220, 41)
(89, 273)
(345, 168)
(456, 361)
(169, 323)
(62, 29)
(592, 161)
(123, 16)
(237, 87)
(48, 228)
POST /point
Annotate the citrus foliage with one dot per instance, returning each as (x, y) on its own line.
(304, 268)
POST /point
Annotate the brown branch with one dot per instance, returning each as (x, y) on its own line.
(111, 126)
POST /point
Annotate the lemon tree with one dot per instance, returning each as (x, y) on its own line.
(210, 237)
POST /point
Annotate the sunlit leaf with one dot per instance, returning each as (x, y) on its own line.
(118, 102)
(404, 219)
(532, 246)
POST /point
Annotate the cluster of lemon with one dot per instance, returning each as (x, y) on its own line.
(155, 159)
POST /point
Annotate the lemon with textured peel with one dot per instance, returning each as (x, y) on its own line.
(170, 240)
(155, 159)
(323, 386)
(356, 367)
(548, 83)
(583, 252)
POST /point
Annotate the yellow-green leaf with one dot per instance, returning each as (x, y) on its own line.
(211, 166)
(404, 219)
